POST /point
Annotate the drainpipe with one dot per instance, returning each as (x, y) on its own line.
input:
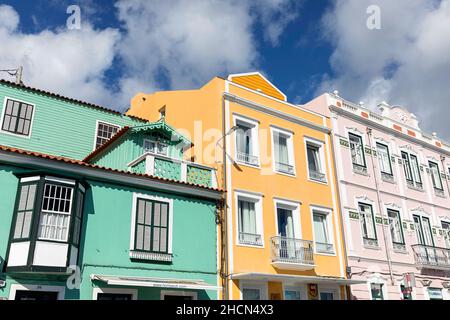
(340, 205)
(224, 225)
(380, 207)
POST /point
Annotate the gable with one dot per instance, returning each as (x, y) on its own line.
(256, 81)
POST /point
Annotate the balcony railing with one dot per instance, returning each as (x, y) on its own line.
(324, 247)
(317, 176)
(290, 253)
(387, 177)
(439, 192)
(359, 169)
(284, 167)
(250, 239)
(173, 169)
(431, 257)
(247, 158)
(371, 243)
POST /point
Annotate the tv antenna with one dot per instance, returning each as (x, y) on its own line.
(15, 72)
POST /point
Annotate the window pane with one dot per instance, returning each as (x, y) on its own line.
(251, 294)
(244, 139)
(415, 169)
(247, 217)
(367, 221)
(407, 166)
(320, 228)
(435, 175)
(313, 158)
(395, 226)
(357, 151)
(17, 117)
(384, 158)
(105, 132)
(377, 291)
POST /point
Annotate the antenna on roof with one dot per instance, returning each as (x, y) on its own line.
(15, 72)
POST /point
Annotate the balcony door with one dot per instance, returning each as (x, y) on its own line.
(286, 231)
(425, 238)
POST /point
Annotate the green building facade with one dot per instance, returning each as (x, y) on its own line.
(89, 218)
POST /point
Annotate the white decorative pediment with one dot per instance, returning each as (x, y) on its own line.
(419, 209)
(407, 147)
(364, 198)
(382, 140)
(392, 205)
(432, 158)
(402, 115)
(355, 130)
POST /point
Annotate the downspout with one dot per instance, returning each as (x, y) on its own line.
(224, 222)
(338, 191)
(380, 207)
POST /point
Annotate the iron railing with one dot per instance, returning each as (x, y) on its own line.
(284, 167)
(247, 158)
(318, 176)
(291, 250)
(250, 238)
(324, 247)
(431, 257)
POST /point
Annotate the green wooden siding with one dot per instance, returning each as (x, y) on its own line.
(106, 233)
(59, 127)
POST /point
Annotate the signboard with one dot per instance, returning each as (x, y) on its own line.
(435, 293)
(313, 291)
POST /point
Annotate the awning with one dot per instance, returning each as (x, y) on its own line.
(294, 279)
(154, 282)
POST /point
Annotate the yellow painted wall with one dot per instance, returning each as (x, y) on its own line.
(194, 112)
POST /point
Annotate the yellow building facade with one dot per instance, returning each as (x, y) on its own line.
(281, 225)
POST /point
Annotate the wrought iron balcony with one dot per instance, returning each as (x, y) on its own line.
(250, 239)
(247, 158)
(387, 177)
(359, 169)
(431, 257)
(292, 254)
(371, 243)
(284, 167)
(439, 192)
(317, 176)
(324, 247)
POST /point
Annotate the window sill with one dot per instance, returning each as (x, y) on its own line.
(318, 181)
(254, 166)
(151, 256)
(16, 134)
(256, 246)
(293, 175)
(361, 171)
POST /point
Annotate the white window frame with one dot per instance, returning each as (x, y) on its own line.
(402, 218)
(34, 287)
(422, 215)
(363, 141)
(329, 224)
(391, 166)
(445, 220)
(299, 288)
(182, 293)
(262, 287)
(97, 290)
(94, 147)
(294, 206)
(258, 200)
(3, 115)
(421, 176)
(376, 278)
(321, 146)
(335, 291)
(369, 203)
(290, 145)
(439, 175)
(69, 214)
(156, 153)
(254, 125)
(144, 196)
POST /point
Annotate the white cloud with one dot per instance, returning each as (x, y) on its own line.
(406, 62)
(70, 62)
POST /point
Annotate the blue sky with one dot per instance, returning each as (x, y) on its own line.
(306, 47)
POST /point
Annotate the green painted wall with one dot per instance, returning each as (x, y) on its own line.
(129, 148)
(59, 127)
(105, 239)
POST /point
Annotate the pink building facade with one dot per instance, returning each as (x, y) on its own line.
(394, 195)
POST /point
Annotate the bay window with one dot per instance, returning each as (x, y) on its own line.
(48, 218)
